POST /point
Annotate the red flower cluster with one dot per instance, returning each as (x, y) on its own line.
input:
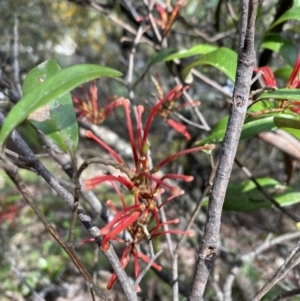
(88, 107)
(292, 83)
(141, 219)
(167, 18)
(169, 101)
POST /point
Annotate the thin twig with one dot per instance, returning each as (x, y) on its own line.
(247, 172)
(228, 283)
(147, 267)
(288, 294)
(215, 286)
(132, 55)
(267, 245)
(281, 272)
(199, 204)
(211, 82)
(119, 22)
(151, 18)
(76, 201)
(194, 108)
(12, 172)
(16, 56)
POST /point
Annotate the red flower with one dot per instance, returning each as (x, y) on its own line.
(130, 250)
(167, 18)
(180, 128)
(293, 83)
(166, 105)
(88, 107)
(268, 76)
(144, 185)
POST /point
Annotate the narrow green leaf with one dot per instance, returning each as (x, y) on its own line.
(217, 134)
(290, 94)
(284, 47)
(52, 88)
(170, 54)
(57, 119)
(222, 58)
(195, 50)
(252, 127)
(160, 56)
(261, 106)
(291, 14)
(289, 123)
(284, 72)
(245, 196)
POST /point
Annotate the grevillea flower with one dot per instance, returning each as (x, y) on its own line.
(141, 176)
(292, 83)
(169, 105)
(130, 250)
(88, 106)
(268, 76)
(144, 184)
(167, 18)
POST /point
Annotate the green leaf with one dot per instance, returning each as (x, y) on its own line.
(160, 57)
(57, 119)
(170, 54)
(284, 72)
(289, 123)
(286, 93)
(245, 196)
(222, 58)
(291, 14)
(252, 127)
(296, 3)
(284, 47)
(195, 50)
(217, 133)
(52, 88)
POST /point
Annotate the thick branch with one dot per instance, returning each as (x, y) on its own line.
(246, 59)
